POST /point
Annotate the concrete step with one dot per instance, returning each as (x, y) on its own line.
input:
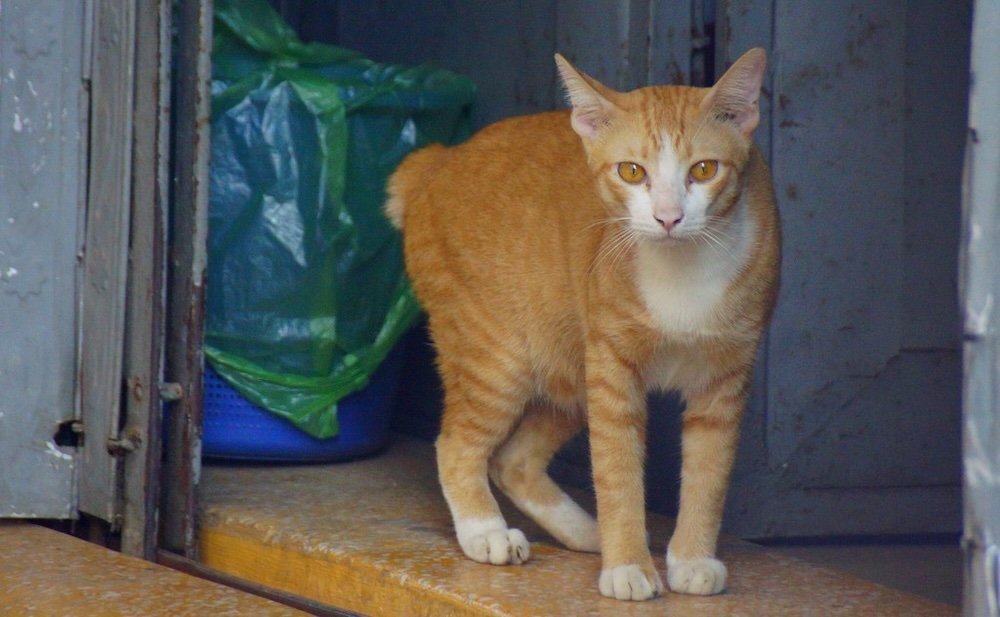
(374, 537)
(48, 573)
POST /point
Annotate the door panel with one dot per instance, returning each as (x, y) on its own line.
(42, 154)
(860, 404)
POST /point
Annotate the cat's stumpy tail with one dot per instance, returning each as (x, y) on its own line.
(409, 179)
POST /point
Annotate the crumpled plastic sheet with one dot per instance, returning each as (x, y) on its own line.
(307, 291)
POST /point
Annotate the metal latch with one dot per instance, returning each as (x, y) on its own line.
(127, 442)
(171, 391)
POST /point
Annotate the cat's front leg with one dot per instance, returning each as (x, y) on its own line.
(616, 415)
(709, 435)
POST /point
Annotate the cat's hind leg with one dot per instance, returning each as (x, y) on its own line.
(483, 401)
(519, 468)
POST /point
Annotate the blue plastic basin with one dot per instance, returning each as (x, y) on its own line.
(236, 429)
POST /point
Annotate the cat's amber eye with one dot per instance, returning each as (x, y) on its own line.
(633, 173)
(703, 171)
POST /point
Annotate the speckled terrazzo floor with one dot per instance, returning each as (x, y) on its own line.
(374, 537)
(47, 573)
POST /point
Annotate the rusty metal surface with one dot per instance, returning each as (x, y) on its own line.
(186, 272)
(145, 312)
(42, 157)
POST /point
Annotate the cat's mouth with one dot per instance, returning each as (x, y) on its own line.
(667, 238)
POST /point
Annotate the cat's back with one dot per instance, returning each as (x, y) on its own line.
(518, 163)
(503, 202)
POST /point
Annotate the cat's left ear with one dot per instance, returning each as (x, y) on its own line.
(734, 98)
(592, 107)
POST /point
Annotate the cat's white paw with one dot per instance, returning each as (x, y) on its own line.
(491, 542)
(702, 577)
(629, 582)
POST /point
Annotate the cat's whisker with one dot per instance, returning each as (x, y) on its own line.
(607, 221)
(621, 240)
(720, 233)
(631, 238)
(619, 243)
(720, 228)
(602, 252)
(722, 248)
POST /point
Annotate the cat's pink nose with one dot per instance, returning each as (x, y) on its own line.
(669, 222)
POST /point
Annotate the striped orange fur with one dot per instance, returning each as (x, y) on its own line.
(561, 287)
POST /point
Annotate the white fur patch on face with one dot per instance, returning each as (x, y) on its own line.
(682, 283)
(668, 197)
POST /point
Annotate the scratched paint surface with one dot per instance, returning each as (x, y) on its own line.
(376, 533)
(41, 154)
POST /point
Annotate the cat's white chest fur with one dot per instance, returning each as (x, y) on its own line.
(682, 284)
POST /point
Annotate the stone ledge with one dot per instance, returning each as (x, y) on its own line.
(374, 536)
(44, 572)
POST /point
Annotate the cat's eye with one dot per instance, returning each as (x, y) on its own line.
(633, 173)
(703, 171)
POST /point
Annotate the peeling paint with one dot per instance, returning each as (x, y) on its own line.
(54, 451)
(18, 125)
(978, 321)
(11, 272)
(978, 465)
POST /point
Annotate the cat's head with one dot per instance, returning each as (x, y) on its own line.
(668, 160)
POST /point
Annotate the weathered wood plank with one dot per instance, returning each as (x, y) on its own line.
(106, 254)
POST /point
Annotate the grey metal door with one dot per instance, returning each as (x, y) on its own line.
(83, 154)
(43, 107)
(855, 428)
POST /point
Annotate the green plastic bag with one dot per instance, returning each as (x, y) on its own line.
(307, 292)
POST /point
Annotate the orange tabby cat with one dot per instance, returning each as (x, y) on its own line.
(571, 262)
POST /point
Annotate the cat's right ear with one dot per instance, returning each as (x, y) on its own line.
(592, 110)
